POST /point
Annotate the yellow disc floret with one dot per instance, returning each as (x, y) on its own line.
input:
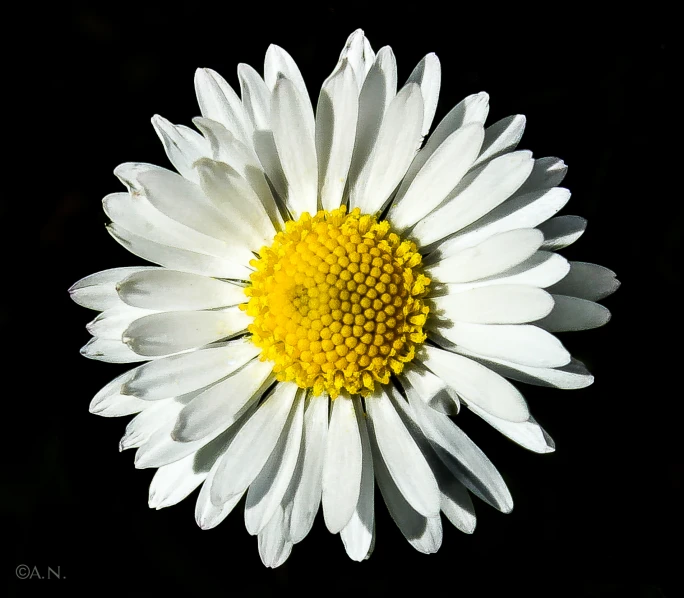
(336, 302)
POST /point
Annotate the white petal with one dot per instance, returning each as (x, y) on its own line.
(182, 201)
(134, 213)
(171, 290)
(185, 202)
(111, 351)
(219, 102)
(430, 389)
(358, 52)
(529, 434)
(137, 216)
(478, 193)
(265, 148)
(440, 174)
(562, 231)
(118, 405)
(520, 211)
(256, 97)
(571, 313)
(424, 534)
(161, 448)
(207, 514)
(495, 304)
(294, 138)
(493, 256)
(336, 116)
(342, 465)
(277, 64)
(243, 159)
(180, 374)
(274, 547)
(128, 174)
(398, 141)
(112, 322)
(368, 56)
(473, 109)
(502, 136)
(523, 343)
(176, 258)
(183, 146)
(571, 376)
(427, 75)
(454, 498)
(173, 482)
(462, 456)
(268, 489)
(171, 332)
(477, 384)
(541, 270)
(253, 444)
(156, 419)
(307, 496)
(226, 147)
(358, 534)
(587, 281)
(378, 90)
(547, 173)
(110, 402)
(98, 291)
(237, 199)
(456, 503)
(403, 459)
(381, 80)
(221, 405)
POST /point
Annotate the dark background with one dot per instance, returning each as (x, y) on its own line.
(600, 517)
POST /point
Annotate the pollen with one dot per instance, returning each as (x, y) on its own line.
(336, 302)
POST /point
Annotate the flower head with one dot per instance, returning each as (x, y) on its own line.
(329, 291)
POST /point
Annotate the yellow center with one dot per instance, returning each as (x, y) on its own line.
(336, 302)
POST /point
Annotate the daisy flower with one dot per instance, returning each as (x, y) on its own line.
(329, 292)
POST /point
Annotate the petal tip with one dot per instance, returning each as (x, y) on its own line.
(177, 433)
(86, 351)
(202, 524)
(95, 408)
(507, 507)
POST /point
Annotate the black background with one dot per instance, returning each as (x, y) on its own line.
(597, 518)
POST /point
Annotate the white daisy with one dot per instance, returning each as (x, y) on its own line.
(328, 293)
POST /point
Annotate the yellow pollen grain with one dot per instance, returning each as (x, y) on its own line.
(337, 302)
